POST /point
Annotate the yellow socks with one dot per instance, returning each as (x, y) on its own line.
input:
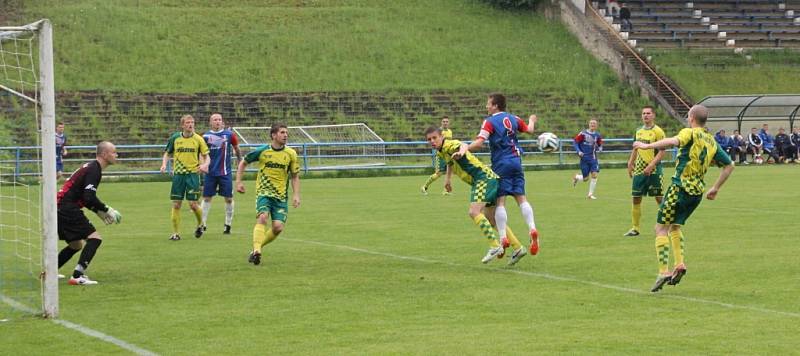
(662, 253)
(486, 228)
(515, 244)
(636, 215)
(677, 245)
(175, 216)
(259, 237)
(198, 213)
(270, 237)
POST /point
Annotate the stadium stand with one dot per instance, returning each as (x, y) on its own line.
(713, 23)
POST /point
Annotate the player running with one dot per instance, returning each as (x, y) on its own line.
(697, 149)
(219, 178)
(278, 165)
(587, 144)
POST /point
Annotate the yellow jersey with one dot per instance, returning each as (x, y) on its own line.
(277, 167)
(186, 152)
(696, 150)
(644, 157)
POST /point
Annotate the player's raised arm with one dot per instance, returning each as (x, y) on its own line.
(486, 130)
(532, 120)
(659, 145)
(239, 174)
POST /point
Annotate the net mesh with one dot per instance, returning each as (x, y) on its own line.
(326, 146)
(20, 172)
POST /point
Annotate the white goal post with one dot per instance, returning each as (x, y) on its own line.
(326, 146)
(26, 72)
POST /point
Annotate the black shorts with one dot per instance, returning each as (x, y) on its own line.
(73, 225)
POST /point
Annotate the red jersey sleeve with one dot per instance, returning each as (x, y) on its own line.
(486, 130)
(521, 125)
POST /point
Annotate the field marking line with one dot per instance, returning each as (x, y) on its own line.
(558, 278)
(82, 329)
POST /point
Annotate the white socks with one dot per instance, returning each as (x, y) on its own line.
(592, 185)
(206, 206)
(501, 218)
(527, 213)
(228, 213)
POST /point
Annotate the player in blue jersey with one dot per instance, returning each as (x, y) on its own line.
(61, 150)
(219, 179)
(587, 144)
(501, 129)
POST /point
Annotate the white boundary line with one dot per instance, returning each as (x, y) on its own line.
(82, 329)
(559, 278)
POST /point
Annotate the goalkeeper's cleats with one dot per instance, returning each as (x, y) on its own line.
(534, 242)
(199, 231)
(175, 237)
(254, 258)
(424, 190)
(492, 253)
(632, 233)
(517, 255)
(81, 281)
(660, 282)
(227, 230)
(677, 274)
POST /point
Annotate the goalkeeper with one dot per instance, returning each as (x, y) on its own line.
(80, 191)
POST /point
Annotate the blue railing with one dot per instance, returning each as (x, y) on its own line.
(146, 159)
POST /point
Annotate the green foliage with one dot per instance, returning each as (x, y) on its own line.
(369, 266)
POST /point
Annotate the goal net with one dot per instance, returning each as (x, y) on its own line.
(327, 146)
(28, 237)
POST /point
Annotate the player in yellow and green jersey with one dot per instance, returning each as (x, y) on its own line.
(439, 164)
(278, 166)
(190, 156)
(482, 179)
(644, 168)
(697, 149)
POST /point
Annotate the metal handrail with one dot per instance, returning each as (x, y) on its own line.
(636, 55)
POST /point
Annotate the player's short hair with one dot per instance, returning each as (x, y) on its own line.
(649, 107)
(699, 113)
(59, 123)
(277, 127)
(103, 147)
(186, 117)
(432, 129)
(214, 113)
(445, 117)
(499, 100)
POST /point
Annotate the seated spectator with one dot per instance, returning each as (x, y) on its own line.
(755, 145)
(796, 143)
(738, 148)
(723, 140)
(769, 144)
(625, 18)
(783, 146)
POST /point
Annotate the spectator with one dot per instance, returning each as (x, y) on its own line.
(738, 147)
(755, 145)
(783, 146)
(769, 144)
(625, 18)
(796, 143)
(724, 142)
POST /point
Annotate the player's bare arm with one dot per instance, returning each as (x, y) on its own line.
(239, 174)
(532, 120)
(206, 160)
(462, 150)
(659, 145)
(652, 165)
(447, 177)
(723, 176)
(164, 161)
(476, 145)
(296, 190)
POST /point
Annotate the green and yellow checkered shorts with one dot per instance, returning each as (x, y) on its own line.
(276, 208)
(185, 186)
(677, 206)
(484, 191)
(643, 185)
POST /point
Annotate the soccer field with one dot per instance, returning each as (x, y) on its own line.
(370, 266)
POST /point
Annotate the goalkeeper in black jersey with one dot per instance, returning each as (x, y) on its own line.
(80, 191)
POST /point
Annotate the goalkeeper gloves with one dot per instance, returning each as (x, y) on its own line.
(110, 216)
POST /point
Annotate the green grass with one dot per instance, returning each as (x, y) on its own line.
(326, 45)
(369, 266)
(703, 73)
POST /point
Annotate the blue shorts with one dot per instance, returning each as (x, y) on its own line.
(589, 165)
(514, 185)
(222, 185)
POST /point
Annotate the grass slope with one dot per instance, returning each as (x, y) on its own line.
(331, 45)
(370, 266)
